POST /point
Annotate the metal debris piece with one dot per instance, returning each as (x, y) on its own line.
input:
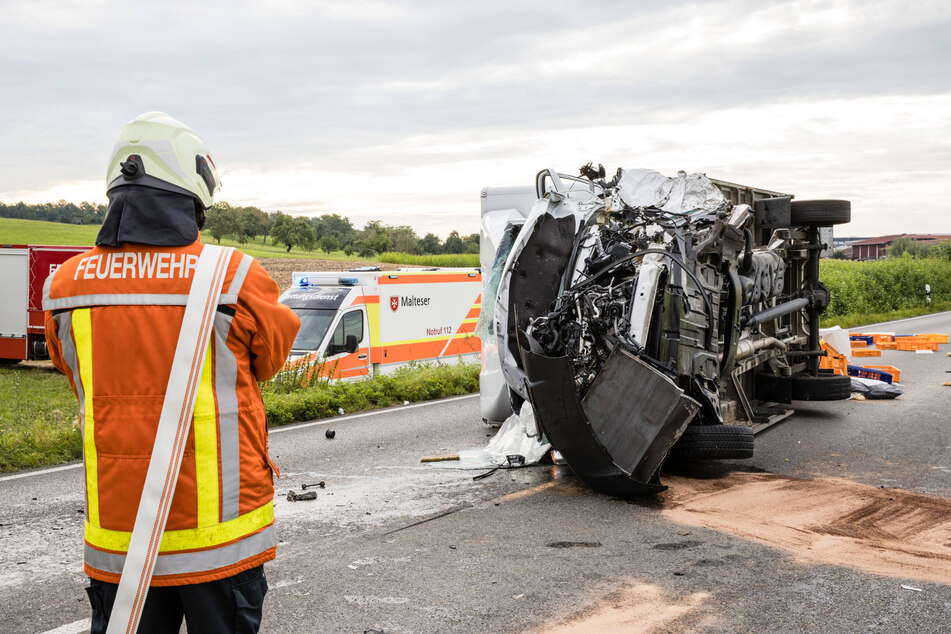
(515, 460)
(320, 484)
(300, 497)
(330, 434)
(444, 458)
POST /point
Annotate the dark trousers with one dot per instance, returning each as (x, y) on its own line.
(232, 604)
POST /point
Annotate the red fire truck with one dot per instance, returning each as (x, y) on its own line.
(23, 271)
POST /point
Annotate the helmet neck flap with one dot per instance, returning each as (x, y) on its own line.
(146, 215)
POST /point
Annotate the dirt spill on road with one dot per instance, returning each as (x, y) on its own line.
(638, 608)
(882, 531)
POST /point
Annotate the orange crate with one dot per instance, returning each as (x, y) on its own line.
(859, 352)
(887, 345)
(895, 372)
(915, 343)
(858, 343)
(934, 337)
(880, 339)
(838, 363)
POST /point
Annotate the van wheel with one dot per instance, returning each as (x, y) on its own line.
(713, 442)
(828, 387)
(820, 213)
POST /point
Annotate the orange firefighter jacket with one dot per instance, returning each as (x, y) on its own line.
(113, 317)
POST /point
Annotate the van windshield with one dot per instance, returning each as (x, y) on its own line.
(314, 323)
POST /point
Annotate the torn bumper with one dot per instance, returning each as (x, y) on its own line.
(618, 436)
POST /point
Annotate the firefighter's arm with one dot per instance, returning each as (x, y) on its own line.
(274, 324)
(53, 344)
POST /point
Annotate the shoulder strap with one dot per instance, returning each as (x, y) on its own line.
(170, 438)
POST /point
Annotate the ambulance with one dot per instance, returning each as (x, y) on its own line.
(363, 322)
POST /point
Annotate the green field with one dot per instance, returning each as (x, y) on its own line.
(17, 231)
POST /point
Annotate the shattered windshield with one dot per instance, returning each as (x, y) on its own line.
(314, 323)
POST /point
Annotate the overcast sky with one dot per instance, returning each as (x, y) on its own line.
(403, 110)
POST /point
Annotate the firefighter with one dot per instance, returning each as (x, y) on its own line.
(113, 316)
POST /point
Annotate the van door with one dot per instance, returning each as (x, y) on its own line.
(351, 327)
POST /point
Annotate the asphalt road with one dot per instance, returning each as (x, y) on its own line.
(392, 545)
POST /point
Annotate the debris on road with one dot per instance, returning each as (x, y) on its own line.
(293, 496)
(445, 458)
(320, 484)
(911, 588)
(330, 434)
(872, 389)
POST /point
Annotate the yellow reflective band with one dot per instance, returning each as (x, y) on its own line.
(373, 318)
(82, 334)
(190, 538)
(205, 427)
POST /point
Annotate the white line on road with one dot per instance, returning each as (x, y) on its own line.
(276, 430)
(75, 627)
(898, 321)
(27, 474)
(338, 419)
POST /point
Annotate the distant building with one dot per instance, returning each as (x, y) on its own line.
(875, 248)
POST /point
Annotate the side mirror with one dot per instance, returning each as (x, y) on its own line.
(351, 345)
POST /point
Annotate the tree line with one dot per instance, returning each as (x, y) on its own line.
(329, 232)
(85, 213)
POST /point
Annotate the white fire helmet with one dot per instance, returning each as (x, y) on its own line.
(158, 151)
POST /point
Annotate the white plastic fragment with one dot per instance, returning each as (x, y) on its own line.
(911, 588)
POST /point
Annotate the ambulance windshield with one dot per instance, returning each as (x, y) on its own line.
(314, 323)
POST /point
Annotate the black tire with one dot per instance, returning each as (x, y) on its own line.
(820, 213)
(829, 387)
(713, 442)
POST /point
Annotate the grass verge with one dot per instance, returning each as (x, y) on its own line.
(39, 422)
(444, 259)
(410, 383)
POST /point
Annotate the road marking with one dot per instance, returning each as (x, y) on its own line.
(72, 628)
(276, 430)
(898, 321)
(16, 476)
(340, 419)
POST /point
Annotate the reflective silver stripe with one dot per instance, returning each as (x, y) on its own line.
(238, 280)
(64, 331)
(126, 299)
(193, 562)
(226, 382)
(46, 288)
